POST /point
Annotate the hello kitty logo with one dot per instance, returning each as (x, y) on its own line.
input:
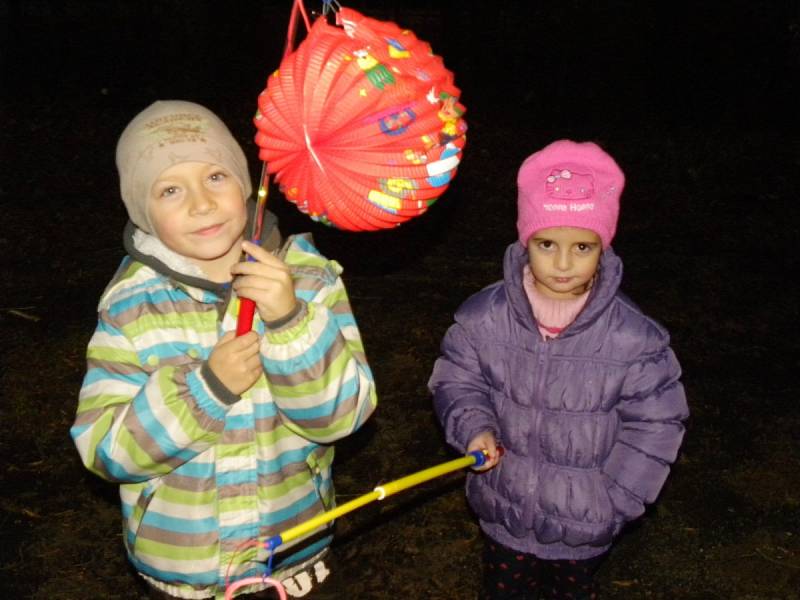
(566, 185)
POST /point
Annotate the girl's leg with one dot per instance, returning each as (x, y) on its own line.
(508, 574)
(571, 579)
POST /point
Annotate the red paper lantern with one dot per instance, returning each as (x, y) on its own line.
(361, 125)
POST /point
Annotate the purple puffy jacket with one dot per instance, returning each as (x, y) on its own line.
(590, 420)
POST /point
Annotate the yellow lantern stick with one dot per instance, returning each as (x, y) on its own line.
(476, 458)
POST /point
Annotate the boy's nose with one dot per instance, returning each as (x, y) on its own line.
(202, 202)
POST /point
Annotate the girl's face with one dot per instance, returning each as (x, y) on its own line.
(197, 210)
(564, 260)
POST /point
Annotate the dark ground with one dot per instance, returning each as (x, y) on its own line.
(692, 100)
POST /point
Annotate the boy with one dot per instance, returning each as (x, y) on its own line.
(215, 440)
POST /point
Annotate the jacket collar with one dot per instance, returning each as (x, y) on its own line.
(149, 250)
(606, 286)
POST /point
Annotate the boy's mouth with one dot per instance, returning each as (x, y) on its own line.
(209, 231)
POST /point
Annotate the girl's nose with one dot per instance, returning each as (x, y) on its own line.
(563, 260)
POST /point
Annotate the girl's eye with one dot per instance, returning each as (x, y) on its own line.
(545, 245)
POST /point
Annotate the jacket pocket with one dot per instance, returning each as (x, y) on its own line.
(319, 462)
(573, 507)
(136, 517)
(503, 494)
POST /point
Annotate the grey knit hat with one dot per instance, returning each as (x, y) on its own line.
(164, 134)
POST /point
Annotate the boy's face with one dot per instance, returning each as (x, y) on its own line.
(564, 260)
(197, 210)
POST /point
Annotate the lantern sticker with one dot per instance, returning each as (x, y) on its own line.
(397, 123)
(396, 49)
(378, 74)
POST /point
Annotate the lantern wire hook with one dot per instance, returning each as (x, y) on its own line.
(330, 5)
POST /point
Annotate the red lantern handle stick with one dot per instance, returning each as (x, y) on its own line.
(247, 307)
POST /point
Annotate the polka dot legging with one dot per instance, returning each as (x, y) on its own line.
(510, 574)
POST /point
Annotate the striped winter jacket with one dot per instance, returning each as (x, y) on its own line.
(202, 471)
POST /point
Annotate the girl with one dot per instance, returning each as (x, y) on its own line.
(557, 366)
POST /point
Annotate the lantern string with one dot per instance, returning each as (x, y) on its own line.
(298, 6)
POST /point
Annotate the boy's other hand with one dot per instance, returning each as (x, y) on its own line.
(236, 361)
(267, 281)
(486, 443)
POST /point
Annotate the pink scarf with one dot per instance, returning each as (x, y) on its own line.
(552, 316)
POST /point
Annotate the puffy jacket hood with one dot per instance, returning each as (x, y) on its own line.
(606, 286)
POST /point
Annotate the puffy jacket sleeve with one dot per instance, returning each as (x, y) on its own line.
(315, 364)
(461, 394)
(135, 423)
(650, 432)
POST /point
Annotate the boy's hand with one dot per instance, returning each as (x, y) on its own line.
(485, 442)
(236, 361)
(267, 282)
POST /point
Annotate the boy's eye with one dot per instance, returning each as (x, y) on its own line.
(218, 177)
(168, 191)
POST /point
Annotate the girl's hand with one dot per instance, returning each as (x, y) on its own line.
(266, 281)
(486, 443)
(236, 361)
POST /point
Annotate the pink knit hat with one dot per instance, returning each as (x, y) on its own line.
(569, 184)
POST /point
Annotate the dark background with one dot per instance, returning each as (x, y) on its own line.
(696, 101)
